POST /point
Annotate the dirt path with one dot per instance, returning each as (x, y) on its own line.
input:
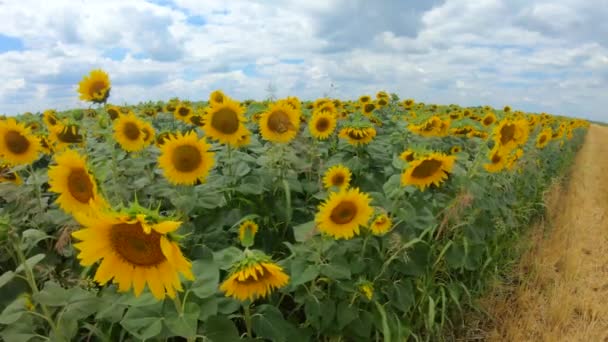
(563, 289)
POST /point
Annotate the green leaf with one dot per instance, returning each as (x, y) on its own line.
(328, 313)
(268, 323)
(227, 257)
(386, 332)
(66, 330)
(221, 329)
(31, 262)
(207, 278)
(144, 322)
(346, 314)
(249, 188)
(184, 325)
(338, 269)
(6, 277)
(304, 231)
(52, 295)
(241, 169)
(302, 277)
(227, 305)
(208, 308)
(13, 311)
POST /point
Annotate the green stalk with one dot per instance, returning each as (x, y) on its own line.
(248, 320)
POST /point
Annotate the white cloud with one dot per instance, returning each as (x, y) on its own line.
(534, 55)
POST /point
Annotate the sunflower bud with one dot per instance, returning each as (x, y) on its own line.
(247, 231)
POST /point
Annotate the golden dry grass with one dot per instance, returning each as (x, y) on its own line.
(562, 290)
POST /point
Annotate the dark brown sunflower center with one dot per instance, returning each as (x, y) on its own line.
(488, 121)
(225, 120)
(382, 102)
(97, 88)
(427, 168)
(409, 157)
(183, 111)
(356, 134)
(135, 246)
(496, 158)
(196, 120)
(278, 122)
(70, 135)
(186, 158)
(322, 124)
(131, 131)
(344, 212)
(380, 221)
(338, 179)
(543, 138)
(51, 119)
(507, 133)
(369, 107)
(16, 142)
(80, 186)
(219, 98)
(365, 99)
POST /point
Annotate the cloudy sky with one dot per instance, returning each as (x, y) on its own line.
(535, 55)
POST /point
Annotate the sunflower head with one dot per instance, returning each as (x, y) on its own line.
(337, 176)
(18, 146)
(358, 136)
(247, 231)
(253, 277)
(185, 159)
(9, 176)
(543, 139)
(367, 290)
(50, 118)
(72, 180)
(343, 213)
(134, 250)
(217, 96)
(183, 112)
(432, 169)
(128, 132)
(489, 119)
(408, 156)
(113, 112)
(224, 122)
(498, 160)
(280, 123)
(148, 132)
(381, 224)
(162, 138)
(95, 87)
(455, 149)
(322, 124)
(409, 103)
(368, 108)
(365, 99)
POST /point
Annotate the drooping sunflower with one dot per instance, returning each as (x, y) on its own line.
(543, 138)
(8, 176)
(50, 118)
(426, 171)
(280, 123)
(95, 87)
(72, 180)
(498, 160)
(358, 136)
(185, 159)
(224, 122)
(381, 224)
(433, 127)
(489, 119)
(62, 136)
(338, 176)
(382, 95)
(343, 213)
(322, 125)
(17, 144)
(408, 156)
(254, 277)
(127, 132)
(183, 112)
(134, 250)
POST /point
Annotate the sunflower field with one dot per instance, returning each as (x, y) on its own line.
(277, 220)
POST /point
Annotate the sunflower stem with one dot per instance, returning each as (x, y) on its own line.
(36, 187)
(178, 305)
(247, 311)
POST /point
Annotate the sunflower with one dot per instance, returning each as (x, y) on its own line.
(368, 108)
(514, 158)
(358, 136)
(45, 145)
(498, 160)
(224, 121)
(507, 109)
(148, 131)
(171, 105)
(134, 250)
(367, 289)
(431, 169)
(128, 133)
(544, 138)
(197, 120)
(322, 125)
(381, 224)
(408, 156)
(489, 119)
(50, 118)
(247, 231)
(113, 111)
(217, 97)
(8, 176)
(162, 138)
(253, 278)
(72, 180)
(17, 144)
(511, 133)
(183, 112)
(95, 87)
(381, 102)
(409, 103)
(62, 136)
(382, 95)
(294, 102)
(280, 123)
(338, 176)
(343, 213)
(455, 149)
(433, 127)
(185, 158)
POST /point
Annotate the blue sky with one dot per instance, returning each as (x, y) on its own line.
(536, 55)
